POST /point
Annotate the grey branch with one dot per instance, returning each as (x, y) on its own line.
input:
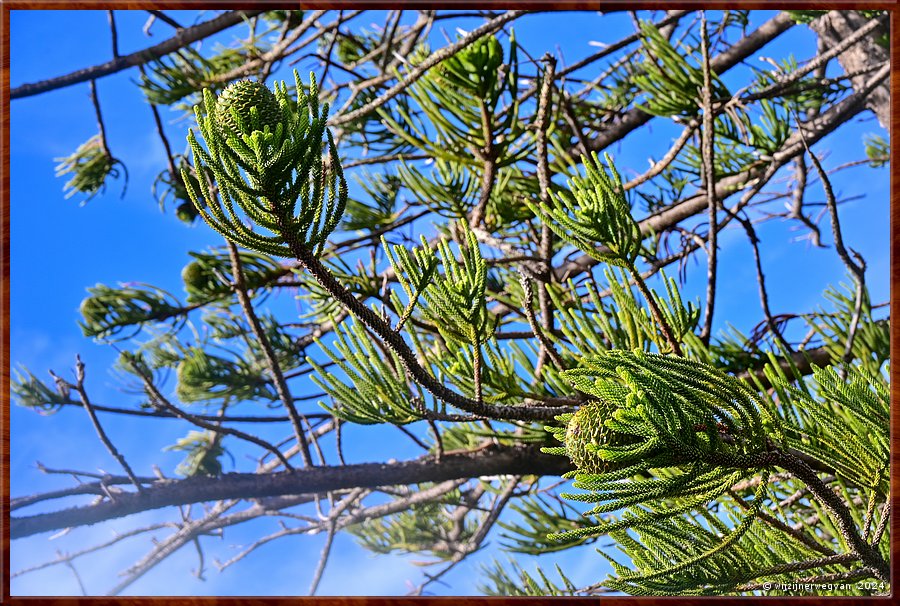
(181, 39)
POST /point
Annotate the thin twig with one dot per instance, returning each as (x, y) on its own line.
(201, 559)
(661, 321)
(165, 19)
(432, 60)
(240, 288)
(761, 281)
(62, 558)
(328, 63)
(545, 248)
(413, 437)
(161, 400)
(86, 402)
(488, 157)
(709, 183)
(667, 159)
(161, 414)
(323, 559)
(858, 268)
(882, 523)
(113, 32)
(797, 207)
(338, 424)
(189, 531)
(438, 441)
(157, 120)
(96, 101)
(71, 566)
(546, 344)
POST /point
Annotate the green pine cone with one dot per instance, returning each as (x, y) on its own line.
(241, 97)
(195, 278)
(586, 427)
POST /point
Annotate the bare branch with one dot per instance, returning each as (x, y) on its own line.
(179, 40)
(432, 60)
(489, 461)
(86, 402)
(240, 290)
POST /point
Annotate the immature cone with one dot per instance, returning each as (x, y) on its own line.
(586, 427)
(195, 278)
(241, 97)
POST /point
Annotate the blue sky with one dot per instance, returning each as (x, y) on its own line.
(60, 247)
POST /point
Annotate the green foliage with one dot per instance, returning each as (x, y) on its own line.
(839, 418)
(672, 410)
(689, 433)
(89, 166)
(382, 189)
(266, 153)
(283, 16)
(453, 300)
(678, 458)
(474, 69)
(590, 324)
(204, 376)
(872, 339)
(536, 513)
(805, 94)
(805, 16)
(468, 435)
(186, 72)
(669, 83)
(686, 555)
(203, 449)
(501, 372)
(877, 151)
(461, 99)
(594, 213)
(31, 392)
(585, 432)
(245, 107)
(209, 276)
(378, 390)
(107, 312)
(451, 189)
(224, 326)
(518, 582)
(168, 185)
(373, 135)
(428, 527)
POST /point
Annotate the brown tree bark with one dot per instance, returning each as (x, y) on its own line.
(867, 53)
(490, 461)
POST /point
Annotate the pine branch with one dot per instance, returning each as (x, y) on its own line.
(814, 130)
(709, 184)
(181, 39)
(747, 46)
(432, 60)
(839, 512)
(489, 461)
(395, 341)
